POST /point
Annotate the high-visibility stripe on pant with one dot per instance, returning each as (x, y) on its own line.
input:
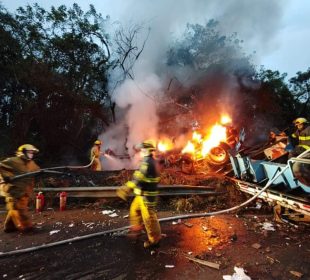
(141, 213)
(17, 216)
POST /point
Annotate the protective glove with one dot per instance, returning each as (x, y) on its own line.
(289, 147)
(123, 192)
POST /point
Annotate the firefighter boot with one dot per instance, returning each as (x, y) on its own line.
(9, 225)
(149, 245)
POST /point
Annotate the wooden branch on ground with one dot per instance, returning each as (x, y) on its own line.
(206, 263)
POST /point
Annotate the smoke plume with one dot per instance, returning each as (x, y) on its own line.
(254, 22)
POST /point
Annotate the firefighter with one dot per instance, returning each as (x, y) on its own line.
(17, 192)
(95, 156)
(301, 137)
(144, 186)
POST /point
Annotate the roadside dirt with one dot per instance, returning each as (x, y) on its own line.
(227, 240)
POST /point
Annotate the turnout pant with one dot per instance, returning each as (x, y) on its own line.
(17, 216)
(96, 165)
(141, 213)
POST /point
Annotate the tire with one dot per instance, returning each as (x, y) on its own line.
(219, 155)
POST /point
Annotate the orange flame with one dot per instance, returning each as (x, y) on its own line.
(225, 119)
(218, 134)
(164, 145)
(200, 145)
(196, 137)
(189, 148)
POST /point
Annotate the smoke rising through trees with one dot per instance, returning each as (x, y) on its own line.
(61, 87)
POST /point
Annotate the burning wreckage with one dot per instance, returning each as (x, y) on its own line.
(265, 172)
(210, 151)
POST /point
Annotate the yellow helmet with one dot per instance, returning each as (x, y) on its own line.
(23, 149)
(97, 142)
(148, 145)
(300, 121)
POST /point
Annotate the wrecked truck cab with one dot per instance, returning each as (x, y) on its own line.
(261, 171)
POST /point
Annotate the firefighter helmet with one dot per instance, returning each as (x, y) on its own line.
(23, 149)
(97, 142)
(147, 145)
(300, 121)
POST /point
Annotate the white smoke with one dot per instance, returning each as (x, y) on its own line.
(139, 97)
(255, 22)
(136, 99)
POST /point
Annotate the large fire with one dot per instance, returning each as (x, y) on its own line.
(225, 119)
(164, 145)
(200, 145)
(218, 134)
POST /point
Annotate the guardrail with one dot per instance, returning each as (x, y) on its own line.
(110, 191)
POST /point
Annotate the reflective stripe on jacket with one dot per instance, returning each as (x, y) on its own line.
(146, 178)
(303, 137)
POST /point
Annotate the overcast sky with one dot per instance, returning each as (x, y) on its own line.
(277, 30)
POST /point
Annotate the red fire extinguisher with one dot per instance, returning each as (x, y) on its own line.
(62, 201)
(39, 202)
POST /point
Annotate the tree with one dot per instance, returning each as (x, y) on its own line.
(128, 47)
(274, 99)
(301, 90)
(204, 65)
(53, 78)
(204, 47)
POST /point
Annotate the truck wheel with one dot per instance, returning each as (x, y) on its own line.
(219, 155)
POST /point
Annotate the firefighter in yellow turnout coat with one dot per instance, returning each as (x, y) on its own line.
(18, 192)
(144, 186)
(95, 156)
(301, 135)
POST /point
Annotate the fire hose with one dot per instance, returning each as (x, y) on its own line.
(168, 219)
(49, 170)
